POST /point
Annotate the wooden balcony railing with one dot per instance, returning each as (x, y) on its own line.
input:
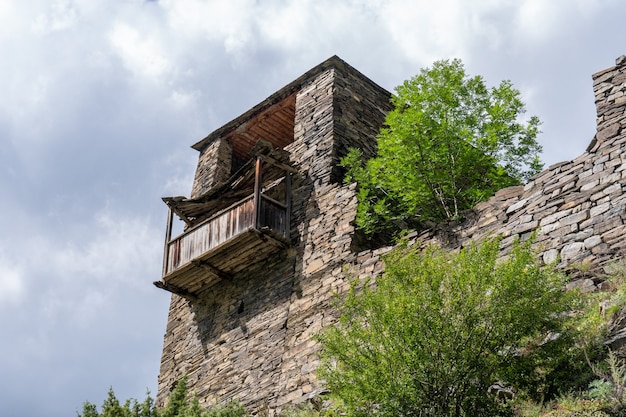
(225, 225)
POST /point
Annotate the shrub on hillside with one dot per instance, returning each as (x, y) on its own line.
(439, 328)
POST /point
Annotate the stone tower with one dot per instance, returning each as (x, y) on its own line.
(268, 231)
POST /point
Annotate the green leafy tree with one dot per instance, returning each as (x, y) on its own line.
(179, 404)
(111, 407)
(449, 143)
(439, 328)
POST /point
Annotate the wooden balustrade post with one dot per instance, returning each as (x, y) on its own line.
(287, 232)
(257, 193)
(168, 237)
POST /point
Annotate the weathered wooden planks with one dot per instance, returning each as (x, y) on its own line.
(197, 241)
(225, 244)
(229, 257)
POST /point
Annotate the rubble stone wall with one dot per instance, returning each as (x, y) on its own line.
(357, 109)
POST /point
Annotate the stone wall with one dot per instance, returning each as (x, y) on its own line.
(357, 108)
(250, 337)
(358, 114)
(214, 166)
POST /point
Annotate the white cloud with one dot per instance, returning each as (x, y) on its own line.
(406, 21)
(71, 281)
(182, 167)
(141, 54)
(116, 250)
(13, 18)
(12, 285)
(60, 15)
(537, 20)
(286, 26)
(225, 21)
(183, 99)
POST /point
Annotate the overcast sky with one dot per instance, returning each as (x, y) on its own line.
(100, 101)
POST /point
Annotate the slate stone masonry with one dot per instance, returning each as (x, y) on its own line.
(250, 338)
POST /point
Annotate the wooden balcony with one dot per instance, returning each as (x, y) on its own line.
(228, 241)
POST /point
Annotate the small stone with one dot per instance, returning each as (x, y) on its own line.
(572, 250)
(575, 218)
(509, 192)
(599, 209)
(516, 206)
(550, 256)
(314, 266)
(525, 227)
(592, 241)
(589, 185)
(585, 285)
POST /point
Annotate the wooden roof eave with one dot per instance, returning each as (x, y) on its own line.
(171, 202)
(282, 94)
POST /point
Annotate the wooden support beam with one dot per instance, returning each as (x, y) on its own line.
(257, 193)
(215, 271)
(180, 214)
(168, 238)
(175, 290)
(278, 203)
(274, 162)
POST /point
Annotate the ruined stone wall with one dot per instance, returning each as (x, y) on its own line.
(577, 208)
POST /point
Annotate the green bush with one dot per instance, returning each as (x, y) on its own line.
(439, 328)
(572, 406)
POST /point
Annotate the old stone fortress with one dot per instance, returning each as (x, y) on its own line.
(269, 231)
